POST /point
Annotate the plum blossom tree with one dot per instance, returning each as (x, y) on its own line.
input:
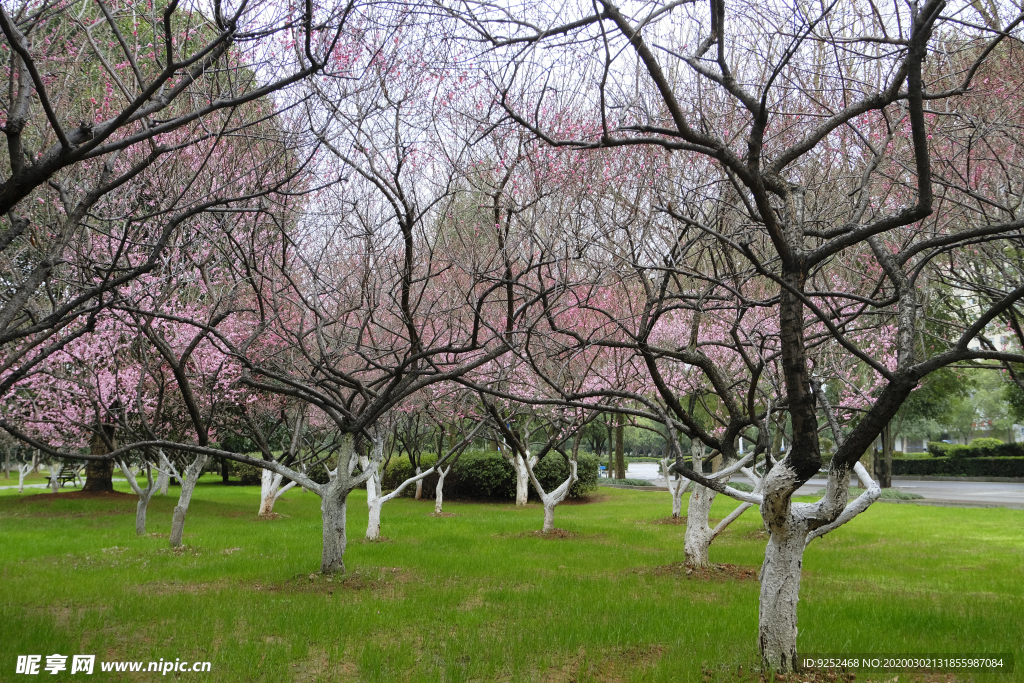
(125, 124)
(800, 197)
(371, 298)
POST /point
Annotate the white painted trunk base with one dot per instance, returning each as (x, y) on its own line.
(188, 485)
(551, 500)
(373, 524)
(780, 592)
(522, 470)
(792, 527)
(699, 534)
(270, 491)
(375, 501)
(439, 490)
(22, 471)
(55, 470)
(163, 482)
(676, 487)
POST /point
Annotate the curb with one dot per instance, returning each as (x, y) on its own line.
(952, 504)
(934, 477)
(633, 488)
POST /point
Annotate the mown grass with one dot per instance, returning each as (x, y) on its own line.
(478, 596)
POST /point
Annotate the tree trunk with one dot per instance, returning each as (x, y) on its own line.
(144, 494)
(225, 472)
(780, 592)
(99, 473)
(332, 507)
(419, 484)
(551, 500)
(698, 535)
(55, 470)
(677, 500)
(522, 479)
(188, 485)
(163, 481)
(7, 463)
(373, 524)
(22, 471)
(884, 471)
(549, 516)
(676, 488)
(270, 482)
(140, 511)
(620, 459)
(439, 490)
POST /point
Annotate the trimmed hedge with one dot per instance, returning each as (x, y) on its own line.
(979, 448)
(250, 475)
(961, 467)
(486, 475)
(247, 475)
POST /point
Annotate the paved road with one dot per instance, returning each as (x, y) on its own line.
(956, 493)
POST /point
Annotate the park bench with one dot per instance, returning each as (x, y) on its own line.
(65, 477)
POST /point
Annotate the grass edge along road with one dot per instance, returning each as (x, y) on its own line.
(479, 595)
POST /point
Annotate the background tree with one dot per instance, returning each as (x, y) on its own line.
(816, 172)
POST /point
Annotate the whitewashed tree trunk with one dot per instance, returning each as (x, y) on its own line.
(373, 526)
(676, 488)
(439, 489)
(163, 481)
(697, 539)
(373, 483)
(270, 482)
(780, 592)
(144, 494)
(699, 534)
(55, 470)
(522, 470)
(23, 469)
(167, 471)
(188, 485)
(792, 527)
(373, 523)
(419, 484)
(551, 500)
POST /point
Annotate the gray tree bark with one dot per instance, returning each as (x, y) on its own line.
(188, 485)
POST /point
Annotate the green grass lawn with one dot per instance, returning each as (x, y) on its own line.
(477, 596)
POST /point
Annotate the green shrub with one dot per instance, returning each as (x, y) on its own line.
(247, 475)
(961, 467)
(979, 448)
(939, 449)
(741, 486)
(251, 475)
(627, 482)
(317, 473)
(486, 475)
